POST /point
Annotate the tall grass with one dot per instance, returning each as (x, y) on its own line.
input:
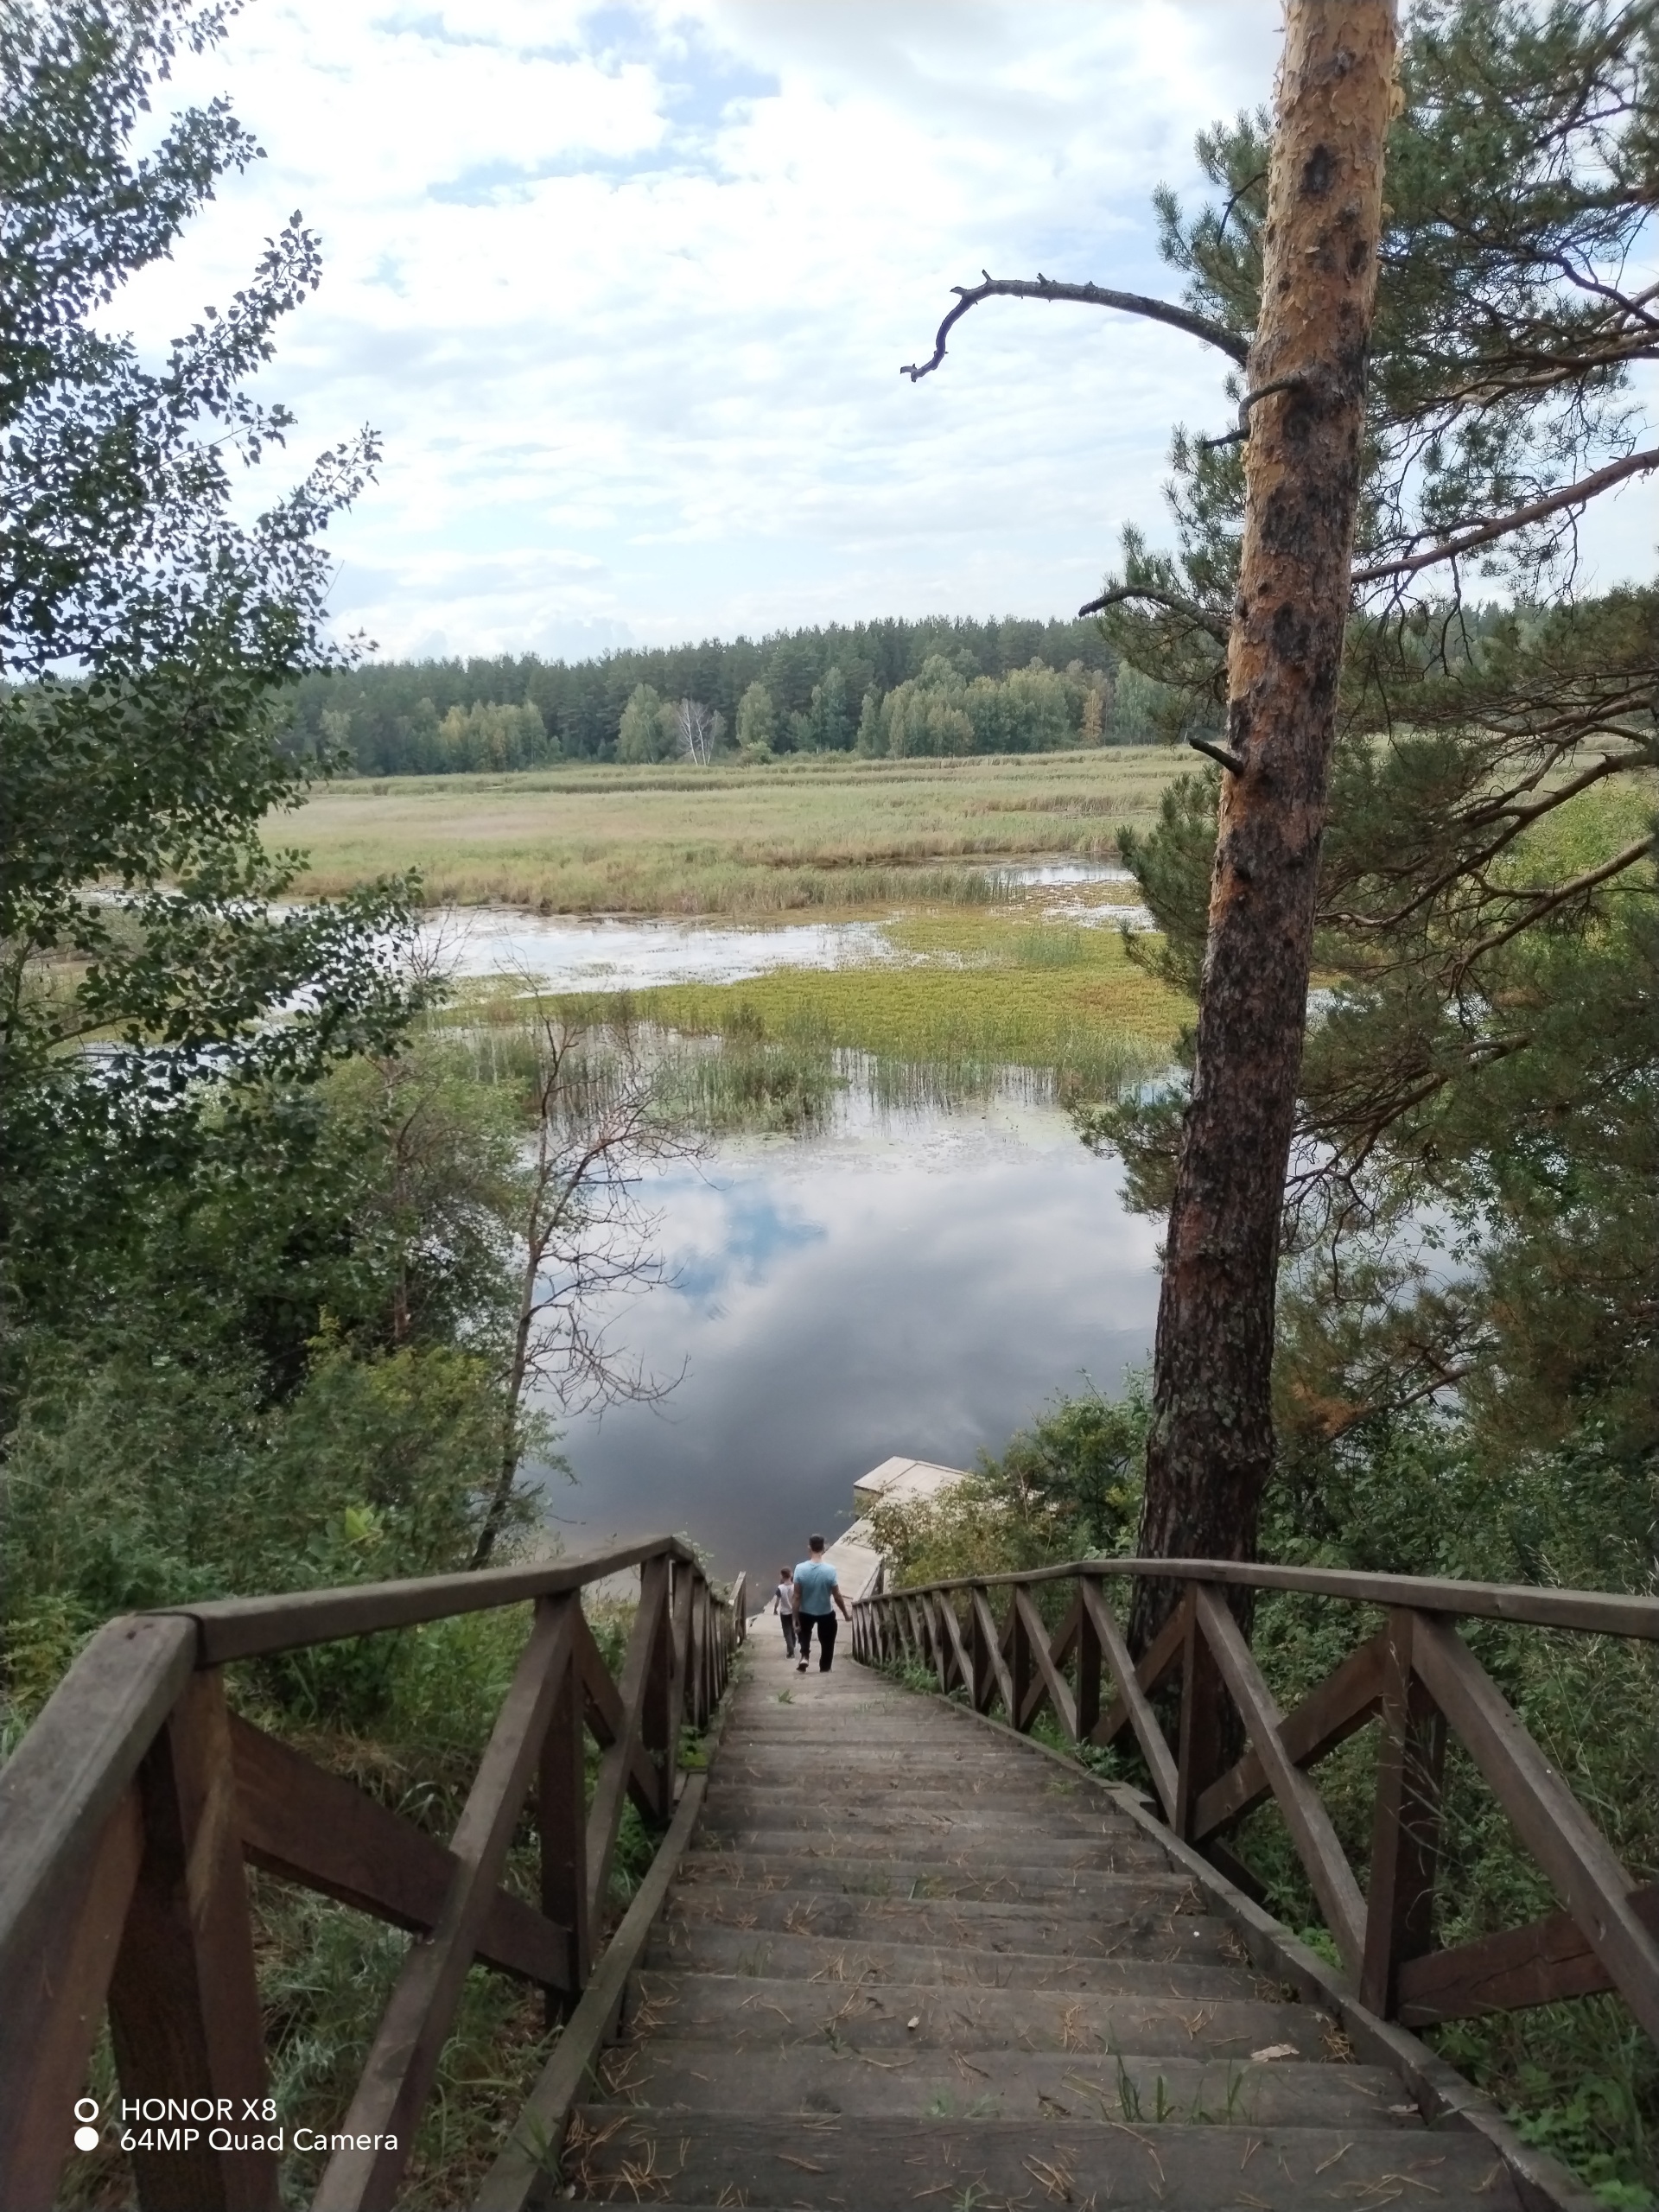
(791, 837)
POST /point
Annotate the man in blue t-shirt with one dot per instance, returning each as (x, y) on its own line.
(815, 1585)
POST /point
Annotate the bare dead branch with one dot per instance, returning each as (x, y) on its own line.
(1200, 617)
(1238, 437)
(1570, 495)
(1218, 753)
(1094, 296)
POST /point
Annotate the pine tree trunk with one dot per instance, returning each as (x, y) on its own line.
(1210, 1453)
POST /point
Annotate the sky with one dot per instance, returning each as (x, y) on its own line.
(626, 291)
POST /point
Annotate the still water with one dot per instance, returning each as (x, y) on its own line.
(919, 1284)
(568, 952)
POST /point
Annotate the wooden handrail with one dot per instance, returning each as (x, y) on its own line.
(1592, 1612)
(131, 1809)
(1416, 1675)
(253, 1628)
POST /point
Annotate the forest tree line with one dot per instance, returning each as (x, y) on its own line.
(888, 687)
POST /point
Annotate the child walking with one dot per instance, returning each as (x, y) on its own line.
(783, 1604)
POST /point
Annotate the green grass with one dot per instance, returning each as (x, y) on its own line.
(795, 835)
(972, 996)
(984, 995)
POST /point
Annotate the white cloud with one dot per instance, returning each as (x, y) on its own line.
(626, 290)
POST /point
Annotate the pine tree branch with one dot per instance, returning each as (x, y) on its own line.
(1570, 495)
(1095, 296)
(1200, 617)
(1547, 902)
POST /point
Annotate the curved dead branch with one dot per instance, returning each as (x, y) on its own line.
(1095, 296)
(1213, 625)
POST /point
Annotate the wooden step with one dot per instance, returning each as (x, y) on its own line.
(706, 1946)
(1032, 2085)
(1008, 1816)
(715, 2157)
(1022, 1780)
(754, 2009)
(1089, 1855)
(989, 1927)
(969, 1877)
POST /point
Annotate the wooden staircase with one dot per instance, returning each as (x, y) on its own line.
(910, 1960)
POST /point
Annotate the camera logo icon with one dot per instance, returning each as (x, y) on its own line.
(86, 2135)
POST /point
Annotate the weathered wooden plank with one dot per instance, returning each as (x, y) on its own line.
(1596, 1612)
(1305, 1815)
(1327, 1716)
(243, 1628)
(1016, 1646)
(1154, 1667)
(54, 2007)
(539, 2128)
(1091, 1663)
(1540, 1964)
(60, 1785)
(1198, 1750)
(1581, 1865)
(735, 2159)
(1037, 2086)
(305, 1825)
(1131, 1695)
(385, 2109)
(962, 1661)
(617, 1764)
(606, 1718)
(561, 1832)
(1405, 1823)
(184, 2003)
(942, 1656)
(991, 1643)
(1049, 1677)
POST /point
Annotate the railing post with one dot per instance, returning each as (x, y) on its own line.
(561, 1822)
(184, 2002)
(1202, 1750)
(1089, 1659)
(664, 1682)
(979, 1650)
(1021, 1666)
(1405, 1834)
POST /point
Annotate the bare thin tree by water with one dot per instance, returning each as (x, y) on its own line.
(587, 1237)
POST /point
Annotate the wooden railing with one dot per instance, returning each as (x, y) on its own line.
(132, 1808)
(1415, 1674)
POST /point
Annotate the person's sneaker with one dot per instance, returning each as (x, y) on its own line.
(801, 1669)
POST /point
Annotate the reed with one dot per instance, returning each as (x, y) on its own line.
(843, 836)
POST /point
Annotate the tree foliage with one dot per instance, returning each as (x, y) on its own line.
(1482, 1057)
(147, 632)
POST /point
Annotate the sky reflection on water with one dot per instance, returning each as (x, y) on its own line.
(918, 1284)
(570, 952)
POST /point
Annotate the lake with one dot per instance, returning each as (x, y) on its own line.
(917, 1283)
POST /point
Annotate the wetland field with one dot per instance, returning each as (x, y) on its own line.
(874, 986)
(820, 831)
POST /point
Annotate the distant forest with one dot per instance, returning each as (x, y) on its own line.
(874, 687)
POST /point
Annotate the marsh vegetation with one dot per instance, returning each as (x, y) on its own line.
(814, 834)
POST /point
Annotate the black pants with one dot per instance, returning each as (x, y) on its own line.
(788, 1620)
(826, 1625)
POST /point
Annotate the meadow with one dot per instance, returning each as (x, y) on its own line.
(816, 833)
